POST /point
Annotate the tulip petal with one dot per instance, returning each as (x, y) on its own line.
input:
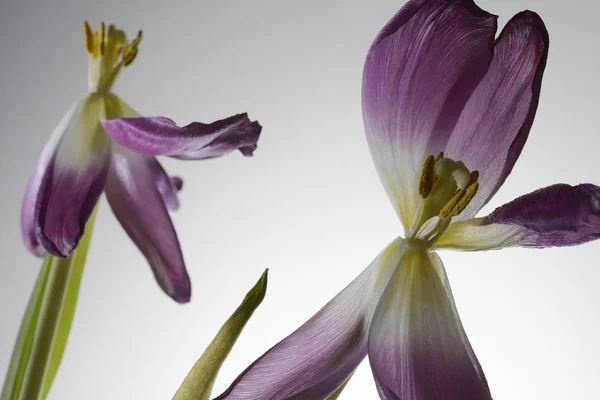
(315, 360)
(139, 206)
(167, 186)
(33, 186)
(418, 75)
(496, 121)
(417, 346)
(73, 180)
(557, 215)
(196, 141)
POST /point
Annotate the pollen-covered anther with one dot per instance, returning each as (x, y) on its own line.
(464, 201)
(447, 210)
(427, 177)
(439, 156)
(102, 38)
(89, 39)
(131, 50)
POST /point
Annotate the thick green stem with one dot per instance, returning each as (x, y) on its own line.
(46, 324)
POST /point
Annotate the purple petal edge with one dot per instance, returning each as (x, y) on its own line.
(557, 215)
(155, 136)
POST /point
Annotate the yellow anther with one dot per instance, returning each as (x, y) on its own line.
(131, 50)
(102, 38)
(446, 211)
(439, 156)
(427, 177)
(464, 201)
(89, 39)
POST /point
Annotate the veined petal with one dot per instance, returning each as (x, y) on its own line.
(73, 180)
(161, 136)
(418, 75)
(417, 345)
(496, 121)
(168, 187)
(316, 359)
(557, 215)
(137, 203)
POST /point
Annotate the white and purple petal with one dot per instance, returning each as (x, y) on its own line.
(417, 346)
(495, 123)
(419, 73)
(33, 186)
(72, 181)
(196, 141)
(557, 215)
(140, 208)
(315, 360)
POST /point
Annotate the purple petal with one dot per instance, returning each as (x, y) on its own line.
(417, 346)
(317, 358)
(557, 215)
(495, 123)
(167, 186)
(139, 206)
(72, 182)
(196, 141)
(418, 75)
(33, 186)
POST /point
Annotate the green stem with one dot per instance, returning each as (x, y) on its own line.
(46, 324)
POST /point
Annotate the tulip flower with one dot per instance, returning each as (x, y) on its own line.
(447, 109)
(81, 161)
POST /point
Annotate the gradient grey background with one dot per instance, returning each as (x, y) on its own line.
(308, 206)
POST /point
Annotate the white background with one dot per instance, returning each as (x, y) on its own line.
(308, 206)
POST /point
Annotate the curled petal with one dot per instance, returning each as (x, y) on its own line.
(139, 206)
(167, 186)
(557, 215)
(417, 346)
(161, 136)
(418, 75)
(315, 360)
(73, 180)
(496, 121)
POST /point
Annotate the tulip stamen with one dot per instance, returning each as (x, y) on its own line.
(427, 177)
(109, 51)
(446, 188)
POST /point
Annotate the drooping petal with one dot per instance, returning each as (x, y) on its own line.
(196, 141)
(557, 215)
(73, 180)
(418, 75)
(417, 346)
(496, 121)
(316, 359)
(33, 186)
(137, 203)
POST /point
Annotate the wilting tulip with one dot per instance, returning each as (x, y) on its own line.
(80, 161)
(447, 110)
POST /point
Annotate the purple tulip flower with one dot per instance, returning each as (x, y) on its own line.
(447, 110)
(80, 161)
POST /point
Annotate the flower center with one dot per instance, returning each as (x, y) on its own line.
(446, 188)
(108, 51)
